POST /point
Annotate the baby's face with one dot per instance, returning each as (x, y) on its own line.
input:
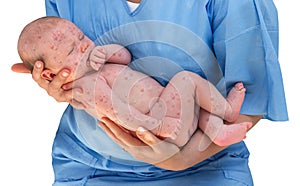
(67, 47)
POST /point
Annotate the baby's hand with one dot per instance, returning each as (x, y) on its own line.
(98, 57)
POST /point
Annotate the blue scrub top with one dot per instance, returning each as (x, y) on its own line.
(224, 41)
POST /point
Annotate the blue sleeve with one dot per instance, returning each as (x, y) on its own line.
(246, 46)
(63, 9)
(51, 8)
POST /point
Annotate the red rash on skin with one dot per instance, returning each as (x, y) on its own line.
(58, 36)
(72, 29)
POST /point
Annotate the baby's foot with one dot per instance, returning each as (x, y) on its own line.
(169, 128)
(230, 134)
(235, 98)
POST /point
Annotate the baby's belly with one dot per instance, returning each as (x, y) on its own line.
(144, 94)
(136, 89)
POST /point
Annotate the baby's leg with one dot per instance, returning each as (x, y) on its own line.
(210, 99)
(168, 128)
(235, 100)
(218, 132)
(176, 107)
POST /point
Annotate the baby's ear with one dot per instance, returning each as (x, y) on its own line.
(48, 74)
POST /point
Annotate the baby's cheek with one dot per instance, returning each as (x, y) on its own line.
(76, 66)
(75, 61)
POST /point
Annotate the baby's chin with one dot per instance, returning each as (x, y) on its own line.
(84, 66)
(81, 71)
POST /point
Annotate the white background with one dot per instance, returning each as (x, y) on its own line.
(29, 118)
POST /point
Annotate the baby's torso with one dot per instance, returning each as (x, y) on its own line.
(135, 88)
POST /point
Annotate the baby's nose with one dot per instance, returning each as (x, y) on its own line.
(83, 47)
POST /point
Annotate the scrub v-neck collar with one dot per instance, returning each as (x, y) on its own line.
(136, 11)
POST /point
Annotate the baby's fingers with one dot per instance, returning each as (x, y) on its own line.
(97, 66)
(100, 53)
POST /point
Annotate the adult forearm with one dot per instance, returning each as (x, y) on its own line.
(190, 154)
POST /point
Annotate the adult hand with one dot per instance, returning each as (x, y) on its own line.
(148, 148)
(57, 88)
(19, 68)
(144, 146)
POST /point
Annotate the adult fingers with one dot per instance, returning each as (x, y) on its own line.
(20, 68)
(36, 75)
(55, 87)
(68, 86)
(163, 149)
(109, 132)
(147, 137)
(121, 134)
(59, 80)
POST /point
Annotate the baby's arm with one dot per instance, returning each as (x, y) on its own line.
(100, 100)
(112, 53)
(108, 104)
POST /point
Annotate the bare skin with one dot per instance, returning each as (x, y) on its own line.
(189, 150)
(134, 1)
(239, 129)
(155, 151)
(168, 111)
(224, 135)
(148, 148)
(61, 91)
(173, 106)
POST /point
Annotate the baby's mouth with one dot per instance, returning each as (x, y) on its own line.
(83, 66)
(86, 56)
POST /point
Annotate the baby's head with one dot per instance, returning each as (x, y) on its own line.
(58, 43)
